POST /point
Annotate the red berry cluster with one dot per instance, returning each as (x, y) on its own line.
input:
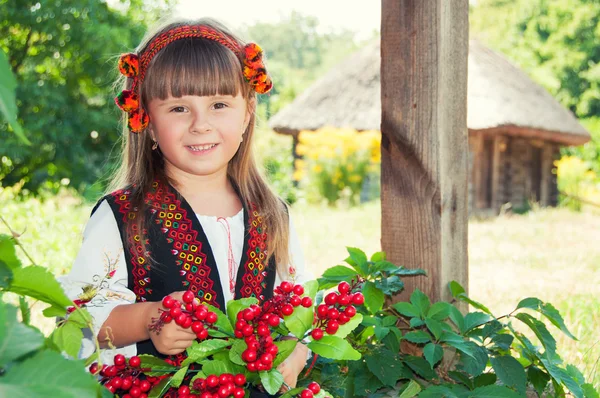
(313, 389)
(336, 310)
(254, 325)
(189, 314)
(223, 386)
(124, 378)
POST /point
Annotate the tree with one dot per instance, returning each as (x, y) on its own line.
(63, 54)
(557, 43)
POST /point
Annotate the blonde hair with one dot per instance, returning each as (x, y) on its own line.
(198, 66)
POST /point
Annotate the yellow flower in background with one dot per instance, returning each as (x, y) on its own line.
(336, 159)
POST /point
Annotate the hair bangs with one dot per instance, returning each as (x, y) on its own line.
(193, 66)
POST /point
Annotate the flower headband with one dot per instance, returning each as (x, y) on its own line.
(135, 66)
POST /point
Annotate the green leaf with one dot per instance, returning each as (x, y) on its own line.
(67, 338)
(421, 367)
(435, 327)
(459, 293)
(411, 390)
(416, 323)
(156, 366)
(392, 340)
(159, 389)
(378, 256)
(37, 282)
(178, 377)
(438, 392)
(223, 324)
(548, 311)
(474, 319)
(503, 341)
(439, 311)
(8, 103)
(53, 312)
(338, 273)
(421, 302)
(485, 379)
(457, 317)
(418, 337)
(374, 297)
(462, 378)
(302, 318)
(6, 275)
(205, 349)
(538, 378)
(433, 353)
(590, 391)
(381, 332)
(25, 310)
(383, 266)
(293, 392)
(540, 331)
(81, 317)
(217, 367)
(333, 347)
(48, 374)
(16, 339)
(406, 309)
(365, 383)
(271, 381)
(510, 372)
(235, 306)
(554, 316)
(475, 363)
(387, 366)
(347, 328)
(359, 261)
(575, 374)
(389, 286)
(8, 252)
(492, 392)
(456, 289)
(285, 348)
(235, 353)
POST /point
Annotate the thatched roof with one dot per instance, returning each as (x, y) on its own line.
(501, 98)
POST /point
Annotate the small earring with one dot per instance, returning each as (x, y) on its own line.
(155, 145)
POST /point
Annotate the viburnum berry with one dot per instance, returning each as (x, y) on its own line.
(295, 301)
(358, 299)
(350, 311)
(306, 302)
(306, 394)
(298, 290)
(331, 298)
(119, 360)
(317, 334)
(188, 298)
(286, 287)
(211, 317)
(344, 287)
(314, 387)
(332, 327)
(135, 361)
(287, 310)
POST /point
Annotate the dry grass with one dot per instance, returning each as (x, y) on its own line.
(552, 254)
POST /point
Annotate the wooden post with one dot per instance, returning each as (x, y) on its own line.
(478, 168)
(546, 183)
(498, 173)
(424, 48)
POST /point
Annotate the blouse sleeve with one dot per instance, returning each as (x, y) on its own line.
(98, 278)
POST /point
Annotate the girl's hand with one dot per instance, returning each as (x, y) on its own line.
(173, 339)
(293, 365)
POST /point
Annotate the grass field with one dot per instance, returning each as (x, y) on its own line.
(552, 254)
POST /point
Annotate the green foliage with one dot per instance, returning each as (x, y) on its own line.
(8, 105)
(445, 352)
(63, 88)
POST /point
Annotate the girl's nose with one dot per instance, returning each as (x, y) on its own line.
(200, 124)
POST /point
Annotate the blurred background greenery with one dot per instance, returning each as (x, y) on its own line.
(63, 54)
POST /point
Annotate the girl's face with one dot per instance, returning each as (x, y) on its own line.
(198, 135)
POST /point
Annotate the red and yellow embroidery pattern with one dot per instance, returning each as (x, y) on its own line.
(175, 224)
(255, 269)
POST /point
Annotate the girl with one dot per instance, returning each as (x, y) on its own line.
(190, 210)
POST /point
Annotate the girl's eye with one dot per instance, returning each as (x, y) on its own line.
(178, 109)
(220, 105)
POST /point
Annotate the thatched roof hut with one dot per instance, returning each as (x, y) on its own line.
(515, 126)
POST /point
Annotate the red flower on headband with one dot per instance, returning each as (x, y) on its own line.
(254, 69)
(138, 120)
(129, 64)
(127, 100)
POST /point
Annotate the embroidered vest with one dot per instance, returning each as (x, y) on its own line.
(181, 254)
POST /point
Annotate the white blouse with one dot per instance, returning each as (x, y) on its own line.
(101, 264)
